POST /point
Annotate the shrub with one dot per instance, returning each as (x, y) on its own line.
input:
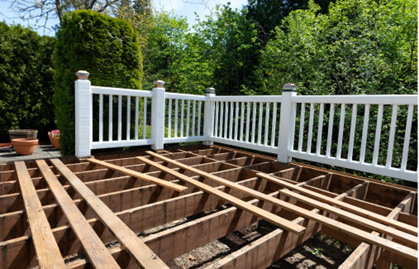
(26, 80)
(105, 47)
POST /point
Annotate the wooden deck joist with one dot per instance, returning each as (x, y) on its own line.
(98, 255)
(312, 198)
(46, 247)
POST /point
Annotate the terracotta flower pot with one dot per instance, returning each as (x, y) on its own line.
(55, 141)
(24, 146)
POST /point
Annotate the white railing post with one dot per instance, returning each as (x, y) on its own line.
(83, 103)
(157, 115)
(209, 116)
(286, 123)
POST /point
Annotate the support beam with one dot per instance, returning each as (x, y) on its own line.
(46, 247)
(280, 222)
(376, 240)
(98, 255)
(353, 209)
(144, 257)
(365, 254)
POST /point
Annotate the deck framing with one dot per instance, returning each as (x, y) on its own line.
(117, 196)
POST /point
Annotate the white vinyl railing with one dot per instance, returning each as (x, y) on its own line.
(313, 128)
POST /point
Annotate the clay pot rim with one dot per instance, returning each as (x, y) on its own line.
(24, 141)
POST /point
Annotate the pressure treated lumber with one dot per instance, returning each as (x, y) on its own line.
(404, 237)
(283, 223)
(98, 255)
(367, 237)
(364, 252)
(46, 247)
(354, 209)
(144, 257)
(130, 172)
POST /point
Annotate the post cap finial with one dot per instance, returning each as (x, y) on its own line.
(289, 87)
(209, 90)
(159, 83)
(82, 75)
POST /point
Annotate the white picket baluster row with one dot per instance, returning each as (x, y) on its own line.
(128, 118)
(339, 159)
(229, 126)
(190, 131)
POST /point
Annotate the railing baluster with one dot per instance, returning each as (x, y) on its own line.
(260, 123)
(248, 122)
(221, 119)
(199, 118)
(230, 136)
(100, 117)
(352, 132)
(176, 115)
(128, 117)
(330, 131)
(182, 118)
(110, 117)
(254, 122)
(407, 137)
(119, 117)
(241, 121)
(310, 128)
(145, 118)
(273, 125)
(236, 121)
(187, 118)
(378, 134)
(267, 123)
(342, 120)
(226, 122)
(193, 117)
(365, 133)
(391, 139)
(301, 135)
(319, 130)
(137, 101)
(169, 123)
(217, 106)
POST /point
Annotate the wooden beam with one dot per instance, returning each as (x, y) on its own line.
(46, 247)
(280, 222)
(404, 237)
(365, 255)
(98, 255)
(386, 244)
(132, 173)
(136, 248)
(353, 209)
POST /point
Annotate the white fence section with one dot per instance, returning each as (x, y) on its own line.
(305, 127)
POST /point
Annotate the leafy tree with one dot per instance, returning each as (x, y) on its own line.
(268, 14)
(233, 50)
(360, 47)
(26, 77)
(108, 48)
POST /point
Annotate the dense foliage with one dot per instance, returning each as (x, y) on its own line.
(360, 47)
(106, 47)
(26, 80)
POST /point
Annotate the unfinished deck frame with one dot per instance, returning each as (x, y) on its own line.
(140, 205)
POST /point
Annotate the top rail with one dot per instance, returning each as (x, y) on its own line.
(249, 98)
(358, 99)
(182, 96)
(119, 91)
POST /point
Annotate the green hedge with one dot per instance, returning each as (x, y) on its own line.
(105, 47)
(26, 81)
